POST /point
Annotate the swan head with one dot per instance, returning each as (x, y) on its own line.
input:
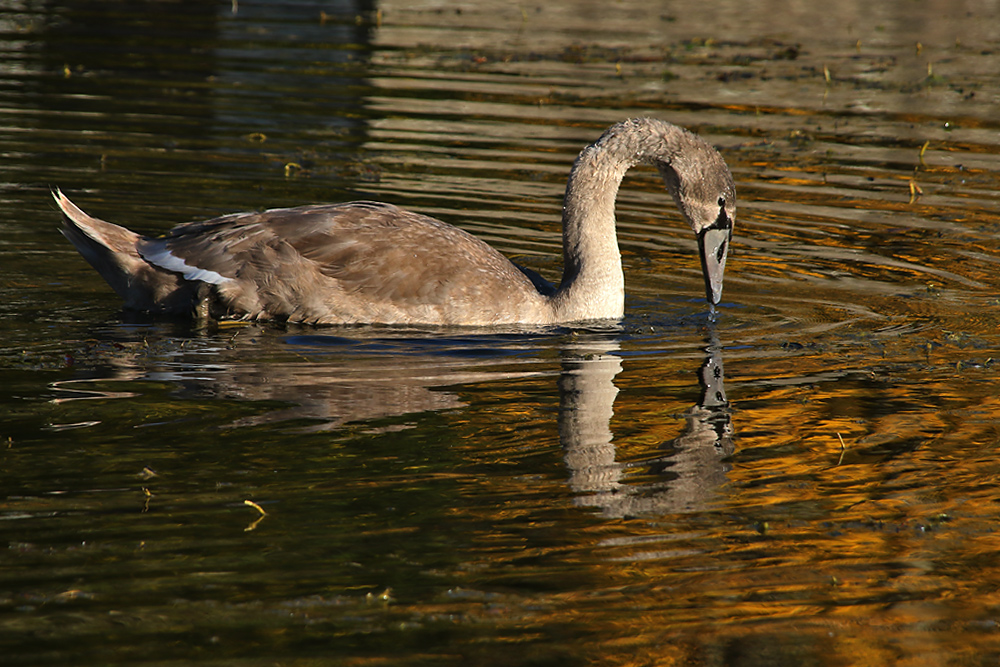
(703, 189)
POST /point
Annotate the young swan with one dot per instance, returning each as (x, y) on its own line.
(368, 262)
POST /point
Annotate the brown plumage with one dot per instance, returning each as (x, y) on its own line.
(368, 262)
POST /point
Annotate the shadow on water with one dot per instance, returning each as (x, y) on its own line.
(131, 90)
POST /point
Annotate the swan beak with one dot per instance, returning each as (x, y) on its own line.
(713, 243)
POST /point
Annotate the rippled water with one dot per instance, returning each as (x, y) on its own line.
(507, 497)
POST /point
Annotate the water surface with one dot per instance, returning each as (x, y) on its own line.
(551, 496)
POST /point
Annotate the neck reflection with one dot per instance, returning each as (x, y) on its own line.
(693, 465)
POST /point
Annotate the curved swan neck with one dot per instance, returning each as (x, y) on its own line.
(593, 285)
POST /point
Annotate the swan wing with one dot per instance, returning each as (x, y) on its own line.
(362, 261)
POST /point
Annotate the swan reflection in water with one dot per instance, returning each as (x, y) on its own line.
(368, 379)
(693, 465)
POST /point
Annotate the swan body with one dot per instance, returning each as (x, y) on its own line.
(369, 262)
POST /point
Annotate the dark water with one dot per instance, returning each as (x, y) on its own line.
(510, 497)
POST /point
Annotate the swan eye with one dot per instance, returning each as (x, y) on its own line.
(722, 201)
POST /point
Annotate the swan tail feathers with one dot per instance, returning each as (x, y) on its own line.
(113, 251)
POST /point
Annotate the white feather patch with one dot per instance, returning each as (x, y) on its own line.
(165, 259)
